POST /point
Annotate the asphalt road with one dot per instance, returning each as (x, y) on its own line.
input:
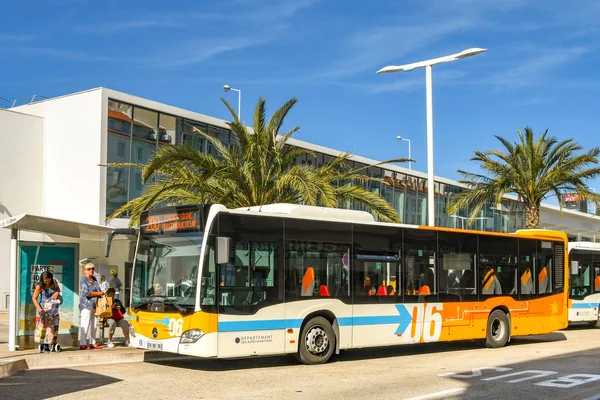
(562, 365)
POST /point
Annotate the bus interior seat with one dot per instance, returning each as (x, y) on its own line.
(424, 290)
(597, 284)
(308, 282)
(514, 289)
(526, 282)
(324, 291)
(543, 280)
(382, 291)
(291, 282)
(466, 281)
(491, 284)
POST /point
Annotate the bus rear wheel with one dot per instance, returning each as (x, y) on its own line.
(317, 342)
(498, 331)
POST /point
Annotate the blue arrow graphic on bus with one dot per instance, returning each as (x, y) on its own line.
(164, 321)
(404, 319)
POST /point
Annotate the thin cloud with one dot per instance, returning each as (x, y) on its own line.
(200, 50)
(370, 49)
(532, 101)
(110, 28)
(255, 12)
(7, 39)
(67, 54)
(534, 69)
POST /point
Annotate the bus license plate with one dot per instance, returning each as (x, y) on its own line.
(154, 346)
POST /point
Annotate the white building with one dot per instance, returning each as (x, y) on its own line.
(56, 191)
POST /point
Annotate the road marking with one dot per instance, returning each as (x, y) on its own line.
(438, 394)
(536, 374)
(475, 372)
(595, 397)
(569, 381)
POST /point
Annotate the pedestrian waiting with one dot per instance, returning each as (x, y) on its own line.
(117, 319)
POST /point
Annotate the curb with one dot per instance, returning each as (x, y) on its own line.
(76, 359)
(9, 368)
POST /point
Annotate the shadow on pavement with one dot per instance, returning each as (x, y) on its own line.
(566, 376)
(34, 385)
(578, 326)
(345, 355)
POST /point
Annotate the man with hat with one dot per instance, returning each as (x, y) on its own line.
(115, 283)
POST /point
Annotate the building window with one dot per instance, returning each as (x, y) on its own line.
(140, 154)
(121, 149)
(138, 181)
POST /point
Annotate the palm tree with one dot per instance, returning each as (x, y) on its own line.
(533, 169)
(259, 169)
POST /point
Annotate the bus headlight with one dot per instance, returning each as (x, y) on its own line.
(191, 336)
(131, 331)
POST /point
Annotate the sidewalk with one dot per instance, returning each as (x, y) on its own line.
(12, 362)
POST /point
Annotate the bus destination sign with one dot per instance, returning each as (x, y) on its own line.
(170, 220)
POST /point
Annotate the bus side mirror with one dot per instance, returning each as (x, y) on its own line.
(110, 235)
(223, 249)
(574, 267)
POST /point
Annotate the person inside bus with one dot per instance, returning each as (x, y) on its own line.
(368, 288)
(292, 283)
(452, 281)
(227, 273)
(390, 290)
(186, 284)
(427, 279)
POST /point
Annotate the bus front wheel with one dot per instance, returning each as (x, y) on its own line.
(498, 330)
(317, 341)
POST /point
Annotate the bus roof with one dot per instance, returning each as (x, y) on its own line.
(362, 217)
(584, 245)
(312, 212)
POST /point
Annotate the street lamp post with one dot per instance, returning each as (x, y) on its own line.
(427, 64)
(406, 140)
(227, 88)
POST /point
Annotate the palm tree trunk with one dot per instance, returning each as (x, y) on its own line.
(532, 219)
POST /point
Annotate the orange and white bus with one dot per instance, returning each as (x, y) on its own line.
(287, 279)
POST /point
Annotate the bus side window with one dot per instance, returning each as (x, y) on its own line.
(544, 277)
(527, 267)
(498, 260)
(456, 266)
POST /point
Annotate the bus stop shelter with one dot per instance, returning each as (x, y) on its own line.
(39, 244)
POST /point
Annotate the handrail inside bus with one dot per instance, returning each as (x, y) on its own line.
(120, 231)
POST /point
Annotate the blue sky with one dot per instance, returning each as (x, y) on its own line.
(541, 68)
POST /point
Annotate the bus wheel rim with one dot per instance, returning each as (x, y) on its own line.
(316, 341)
(498, 329)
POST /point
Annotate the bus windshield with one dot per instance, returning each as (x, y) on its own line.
(166, 270)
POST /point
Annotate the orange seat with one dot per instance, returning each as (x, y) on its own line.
(597, 284)
(424, 290)
(382, 291)
(324, 291)
(308, 282)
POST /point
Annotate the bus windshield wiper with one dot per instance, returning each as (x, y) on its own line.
(142, 304)
(177, 306)
(160, 299)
